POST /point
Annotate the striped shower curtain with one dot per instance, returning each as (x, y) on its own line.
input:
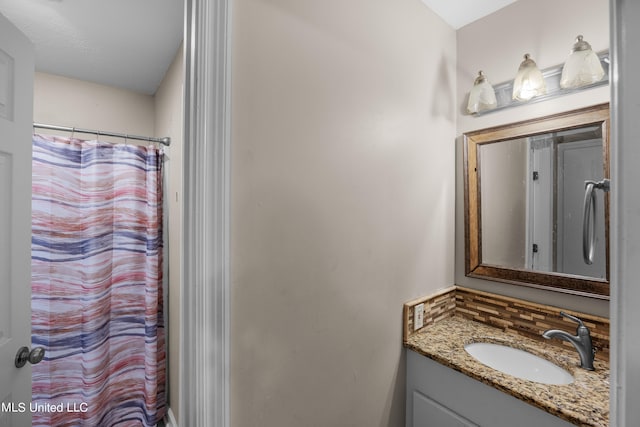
(97, 304)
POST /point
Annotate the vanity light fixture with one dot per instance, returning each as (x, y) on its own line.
(511, 94)
(482, 96)
(529, 81)
(582, 68)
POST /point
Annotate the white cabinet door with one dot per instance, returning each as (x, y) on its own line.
(429, 413)
(438, 396)
(16, 116)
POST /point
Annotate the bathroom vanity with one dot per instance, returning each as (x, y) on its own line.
(448, 387)
(525, 186)
(438, 396)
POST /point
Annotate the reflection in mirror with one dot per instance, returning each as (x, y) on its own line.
(533, 197)
(525, 201)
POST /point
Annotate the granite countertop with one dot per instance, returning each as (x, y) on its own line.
(585, 402)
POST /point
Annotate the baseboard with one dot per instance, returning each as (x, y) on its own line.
(170, 420)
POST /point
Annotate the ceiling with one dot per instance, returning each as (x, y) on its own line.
(131, 43)
(459, 13)
(123, 43)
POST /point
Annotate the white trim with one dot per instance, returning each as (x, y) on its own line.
(204, 354)
(170, 419)
(615, 397)
(625, 214)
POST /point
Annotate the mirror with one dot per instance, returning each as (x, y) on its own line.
(525, 202)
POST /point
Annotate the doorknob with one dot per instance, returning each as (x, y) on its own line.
(24, 355)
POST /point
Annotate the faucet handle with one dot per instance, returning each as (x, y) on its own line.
(574, 318)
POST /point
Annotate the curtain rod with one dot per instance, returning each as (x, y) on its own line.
(164, 141)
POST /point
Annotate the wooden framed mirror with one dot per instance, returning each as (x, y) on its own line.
(525, 202)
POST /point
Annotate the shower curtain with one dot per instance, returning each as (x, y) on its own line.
(97, 304)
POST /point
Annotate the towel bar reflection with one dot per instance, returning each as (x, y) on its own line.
(589, 218)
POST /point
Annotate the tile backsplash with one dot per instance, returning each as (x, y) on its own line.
(510, 314)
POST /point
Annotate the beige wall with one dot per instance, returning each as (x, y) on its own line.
(546, 29)
(342, 203)
(168, 122)
(503, 170)
(76, 103)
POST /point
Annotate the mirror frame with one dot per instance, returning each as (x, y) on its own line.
(560, 282)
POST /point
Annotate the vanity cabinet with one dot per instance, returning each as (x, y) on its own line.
(438, 396)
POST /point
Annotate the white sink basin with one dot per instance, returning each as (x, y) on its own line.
(518, 363)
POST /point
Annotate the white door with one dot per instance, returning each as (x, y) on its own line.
(16, 116)
(540, 205)
(579, 161)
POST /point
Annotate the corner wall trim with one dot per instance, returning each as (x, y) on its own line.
(170, 419)
(204, 349)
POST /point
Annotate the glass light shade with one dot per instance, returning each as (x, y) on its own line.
(529, 81)
(482, 96)
(582, 67)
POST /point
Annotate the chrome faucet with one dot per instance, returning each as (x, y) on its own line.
(581, 341)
